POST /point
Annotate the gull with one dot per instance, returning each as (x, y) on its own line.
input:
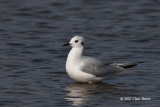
(87, 69)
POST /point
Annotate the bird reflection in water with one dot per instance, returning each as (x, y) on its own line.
(80, 93)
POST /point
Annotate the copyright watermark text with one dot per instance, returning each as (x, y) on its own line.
(135, 98)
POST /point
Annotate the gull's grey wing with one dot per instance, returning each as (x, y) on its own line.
(97, 68)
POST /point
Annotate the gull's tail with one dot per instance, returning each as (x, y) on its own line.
(127, 65)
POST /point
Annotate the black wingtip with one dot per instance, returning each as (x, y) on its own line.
(129, 66)
(132, 64)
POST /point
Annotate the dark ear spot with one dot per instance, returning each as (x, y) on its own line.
(82, 43)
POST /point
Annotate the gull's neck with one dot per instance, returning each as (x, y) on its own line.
(75, 54)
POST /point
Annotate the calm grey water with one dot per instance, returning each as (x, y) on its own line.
(32, 59)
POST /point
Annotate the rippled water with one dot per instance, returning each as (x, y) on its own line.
(32, 59)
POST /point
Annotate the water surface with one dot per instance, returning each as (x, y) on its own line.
(32, 59)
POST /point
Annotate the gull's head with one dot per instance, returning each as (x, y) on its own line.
(76, 42)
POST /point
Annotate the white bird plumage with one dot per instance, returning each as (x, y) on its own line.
(86, 69)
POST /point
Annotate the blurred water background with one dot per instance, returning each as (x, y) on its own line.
(32, 59)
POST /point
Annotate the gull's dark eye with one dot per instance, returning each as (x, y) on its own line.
(76, 41)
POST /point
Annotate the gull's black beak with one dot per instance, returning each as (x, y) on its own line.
(67, 44)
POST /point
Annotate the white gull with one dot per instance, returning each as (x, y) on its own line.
(87, 69)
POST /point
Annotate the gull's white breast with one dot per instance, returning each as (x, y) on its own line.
(74, 71)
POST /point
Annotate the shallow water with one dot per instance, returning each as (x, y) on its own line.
(32, 59)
